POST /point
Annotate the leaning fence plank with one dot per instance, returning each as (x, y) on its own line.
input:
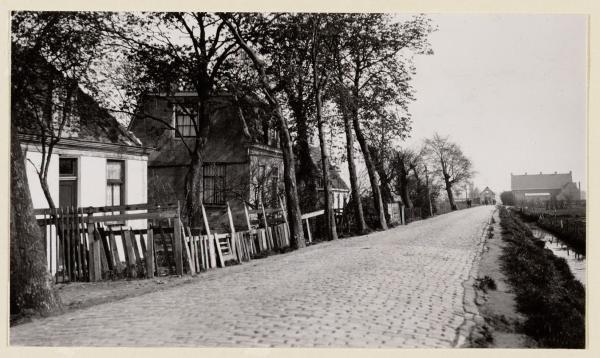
(129, 254)
(103, 258)
(114, 251)
(219, 252)
(104, 236)
(193, 250)
(142, 245)
(186, 252)
(247, 217)
(232, 231)
(205, 220)
(136, 249)
(211, 251)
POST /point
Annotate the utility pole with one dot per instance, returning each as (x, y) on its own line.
(428, 195)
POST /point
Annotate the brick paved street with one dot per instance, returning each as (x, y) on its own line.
(401, 288)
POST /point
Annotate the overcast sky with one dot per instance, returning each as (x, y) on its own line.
(510, 89)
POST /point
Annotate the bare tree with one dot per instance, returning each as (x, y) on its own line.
(449, 162)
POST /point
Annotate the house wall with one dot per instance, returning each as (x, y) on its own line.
(520, 194)
(91, 183)
(91, 176)
(33, 161)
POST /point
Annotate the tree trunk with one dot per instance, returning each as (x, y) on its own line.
(329, 213)
(404, 190)
(384, 180)
(306, 174)
(360, 216)
(370, 168)
(289, 170)
(289, 178)
(194, 176)
(31, 288)
(193, 189)
(450, 195)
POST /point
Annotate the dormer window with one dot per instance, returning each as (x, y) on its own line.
(185, 120)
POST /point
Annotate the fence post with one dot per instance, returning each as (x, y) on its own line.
(402, 213)
(178, 253)
(149, 254)
(95, 271)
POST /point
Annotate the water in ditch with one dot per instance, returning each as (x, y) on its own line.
(576, 262)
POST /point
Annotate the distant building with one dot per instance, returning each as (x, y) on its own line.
(339, 188)
(487, 196)
(544, 187)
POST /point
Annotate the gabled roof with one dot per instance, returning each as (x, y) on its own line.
(539, 181)
(90, 123)
(488, 190)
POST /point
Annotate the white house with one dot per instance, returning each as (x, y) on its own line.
(96, 162)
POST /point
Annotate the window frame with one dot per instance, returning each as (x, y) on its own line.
(120, 181)
(219, 183)
(179, 113)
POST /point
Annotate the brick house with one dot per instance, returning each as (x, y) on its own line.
(242, 162)
(487, 196)
(544, 187)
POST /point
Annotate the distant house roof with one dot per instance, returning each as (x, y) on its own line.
(487, 190)
(540, 181)
(336, 180)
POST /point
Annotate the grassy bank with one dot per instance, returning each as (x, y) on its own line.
(547, 293)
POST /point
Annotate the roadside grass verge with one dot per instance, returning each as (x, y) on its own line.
(547, 293)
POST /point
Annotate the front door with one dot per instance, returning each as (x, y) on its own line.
(67, 193)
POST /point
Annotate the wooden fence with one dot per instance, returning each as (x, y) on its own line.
(94, 243)
(88, 244)
(402, 215)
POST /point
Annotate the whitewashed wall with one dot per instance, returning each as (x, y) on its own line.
(33, 162)
(91, 185)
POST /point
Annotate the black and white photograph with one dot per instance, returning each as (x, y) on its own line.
(297, 179)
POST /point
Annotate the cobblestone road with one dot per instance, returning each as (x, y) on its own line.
(401, 288)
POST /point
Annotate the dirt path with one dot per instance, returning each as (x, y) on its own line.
(495, 300)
